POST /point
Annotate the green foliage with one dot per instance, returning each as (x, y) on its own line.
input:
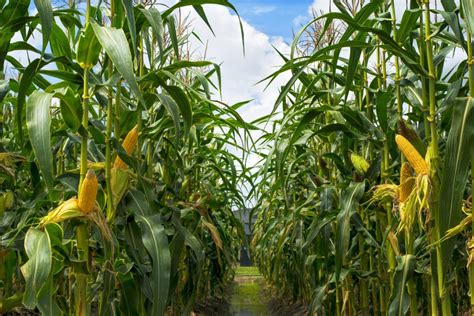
(326, 229)
(163, 232)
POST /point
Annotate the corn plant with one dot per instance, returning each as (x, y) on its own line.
(118, 187)
(338, 227)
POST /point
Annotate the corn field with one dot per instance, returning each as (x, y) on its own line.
(364, 204)
(117, 185)
(121, 171)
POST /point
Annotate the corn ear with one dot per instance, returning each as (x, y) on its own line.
(65, 211)
(411, 135)
(88, 192)
(119, 183)
(394, 242)
(129, 144)
(406, 183)
(413, 156)
(360, 164)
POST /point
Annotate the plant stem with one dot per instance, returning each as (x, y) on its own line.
(108, 135)
(82, 232)
(82, 236)
(85, 123)
(434, 159)
(396, 64)
(470, 62)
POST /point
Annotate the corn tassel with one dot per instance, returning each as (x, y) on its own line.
(413, 156)
(129, 144)
(88, 192)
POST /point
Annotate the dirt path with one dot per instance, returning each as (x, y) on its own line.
(248, 298)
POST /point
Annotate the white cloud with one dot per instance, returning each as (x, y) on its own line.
(240, 74)
(263, 9)
(322, 6)
(300, 20)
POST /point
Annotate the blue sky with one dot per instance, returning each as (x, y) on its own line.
(272, 17)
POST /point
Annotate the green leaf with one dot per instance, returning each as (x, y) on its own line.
(115, 44)
(349, 202)
(107, 295)
(184, 105)
(408, 23)
(46, 303)
(455, 171)
(38, 122)
(128, 5)
(172, 109)
(156, 242)
(59, 43)
(153, 17)
(468, 10)
(354, 58)
(173, 35)
(400, 299)
(198, 4)
(36, 269)
(383, 101)
(88, 48)
(45, 10)
(71, 109)
(13, 11)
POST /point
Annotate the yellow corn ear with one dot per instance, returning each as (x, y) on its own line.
(406, 182)
(411, 135)
(413, 156)
(65, 211)
(360, 164)
(88, 192)
(129, 144)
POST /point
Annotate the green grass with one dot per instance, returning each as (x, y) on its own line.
(247, 271)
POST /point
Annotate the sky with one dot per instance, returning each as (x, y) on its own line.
(267, 25)
(273, 17)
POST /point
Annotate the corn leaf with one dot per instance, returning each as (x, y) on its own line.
(468, 8)
(88, 48)
(38, 122)
(455, 171)
(128, 5)
(36, 270)
(349, 201)
(115, 44)
(400, 299)
(156, 243)
(153, 17)
(45, 11)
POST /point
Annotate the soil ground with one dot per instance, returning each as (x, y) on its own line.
(249, 296)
